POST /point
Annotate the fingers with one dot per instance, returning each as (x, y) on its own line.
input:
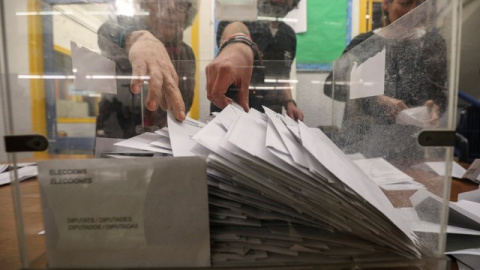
(163, 88)
(295, 113)
(402, 106)
(155, 95)
(218, 85)
(219, 99)
(433, 121)
(394, 107)
(211, 78)
(431, 106)
(291, 114)
(163, 91)
(233, 66)
(243, 96)
(434, 111)
(299, 115)
(139, 72)
(429, 103)
(174, 98)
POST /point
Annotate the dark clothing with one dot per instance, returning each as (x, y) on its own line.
(120, 115)
(415, 71)
(279, 51)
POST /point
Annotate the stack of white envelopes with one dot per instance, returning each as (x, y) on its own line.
(281, 192)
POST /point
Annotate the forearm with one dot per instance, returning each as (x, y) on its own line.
(289, 103)
(287, 99)
(287, 92)
(287, 96)
(232, 29)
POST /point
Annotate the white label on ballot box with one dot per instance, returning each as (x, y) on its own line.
(125, 213)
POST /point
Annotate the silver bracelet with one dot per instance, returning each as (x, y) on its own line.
(242, 38)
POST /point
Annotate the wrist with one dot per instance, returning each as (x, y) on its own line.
(134, 36)
(241, 38)
(125, 35)
(288, 102)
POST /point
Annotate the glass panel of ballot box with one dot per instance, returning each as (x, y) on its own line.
(103, 177)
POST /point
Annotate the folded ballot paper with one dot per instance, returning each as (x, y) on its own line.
(473, 172)
(387, 176)
(281, 192)
(24, 171)
(463, 227)
(417, 116)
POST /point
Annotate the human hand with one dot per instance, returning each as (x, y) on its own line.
(392, 106)
(433, 111)
(294, 112)
(234, 65)
(150, 61)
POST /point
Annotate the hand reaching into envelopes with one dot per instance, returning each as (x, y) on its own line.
(233, 66)
(150, 61)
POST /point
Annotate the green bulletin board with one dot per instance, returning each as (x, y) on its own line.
(326, 36)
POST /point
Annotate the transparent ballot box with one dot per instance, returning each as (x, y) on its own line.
(103, 177)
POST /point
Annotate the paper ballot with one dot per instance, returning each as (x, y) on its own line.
(473, 172)
(439, 167)
(463, 227)
(147, 142)
(281, 192)
(23, 173)
(181, 134)
(93, 72)
(368, 78)
(417, 116)
(386, 175)
(117, 213)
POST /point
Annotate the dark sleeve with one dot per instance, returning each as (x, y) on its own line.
(294, 45)
(186, 68)
(435, 60)
(341, 91)
(290, 42)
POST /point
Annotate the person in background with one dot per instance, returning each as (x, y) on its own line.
(273, 43)
(148, 48)
(415, 75)
(151, 48)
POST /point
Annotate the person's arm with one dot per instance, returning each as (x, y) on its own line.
(390, 107)
(290, 105)
(284, 71)
(341, 91)
(121, 41)
(435, 53)
(150, 61)
(232, 66)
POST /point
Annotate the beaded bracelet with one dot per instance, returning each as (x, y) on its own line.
(288, 101)
(242, 38)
